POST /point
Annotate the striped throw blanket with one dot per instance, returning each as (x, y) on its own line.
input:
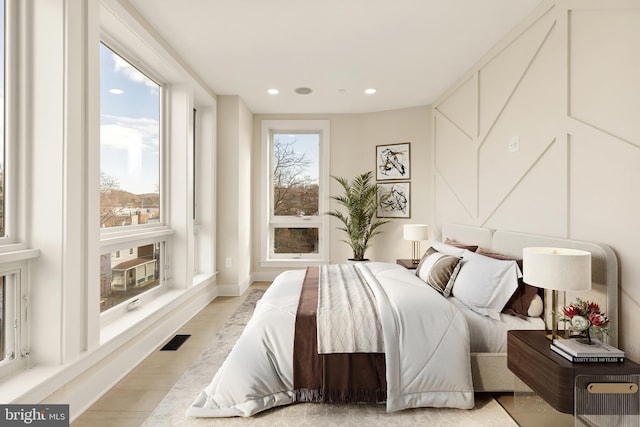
(348, 318)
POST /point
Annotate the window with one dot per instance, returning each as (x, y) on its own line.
(7, 341)
(124, 277)
(194, 156)
(130, 185)
(297, 156)
(2, 122)
(129, 144)
(11, 327)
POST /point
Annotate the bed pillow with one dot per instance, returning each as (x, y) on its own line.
(452, 242)
(447, 249)
(526, 300)
(438, 270)
(485, 284)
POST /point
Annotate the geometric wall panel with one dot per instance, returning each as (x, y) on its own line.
(499, 77)
(529, 116)
(611, 37)
(538, 204)
(461, 107)
(455, 160)
(449, 208)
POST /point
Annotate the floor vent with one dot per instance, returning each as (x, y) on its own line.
(175, 343)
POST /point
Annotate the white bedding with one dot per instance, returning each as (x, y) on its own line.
(490, 336)
(426, 342)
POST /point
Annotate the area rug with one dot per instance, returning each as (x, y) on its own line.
(171, 410)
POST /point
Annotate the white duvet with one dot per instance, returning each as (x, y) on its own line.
(426, 342)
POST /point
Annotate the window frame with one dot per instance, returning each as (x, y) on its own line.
(269, 221)
(13, 202)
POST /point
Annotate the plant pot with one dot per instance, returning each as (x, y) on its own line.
(357, 261)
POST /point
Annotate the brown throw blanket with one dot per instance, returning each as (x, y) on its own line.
(337, 377)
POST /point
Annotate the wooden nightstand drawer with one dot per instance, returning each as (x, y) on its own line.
(552, 377)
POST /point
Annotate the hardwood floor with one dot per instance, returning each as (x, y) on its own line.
(131, 401)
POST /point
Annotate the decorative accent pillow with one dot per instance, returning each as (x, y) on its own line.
(437, 270)
(485, 284)
(536, 307)
(523, 301)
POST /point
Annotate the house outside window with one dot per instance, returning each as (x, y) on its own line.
(296, 154)
(124, 277)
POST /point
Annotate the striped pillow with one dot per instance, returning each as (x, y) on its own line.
(438, 270)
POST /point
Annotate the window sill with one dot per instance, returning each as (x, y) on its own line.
(112, 240)
(18, 254)
(284, 262)
(203, 279)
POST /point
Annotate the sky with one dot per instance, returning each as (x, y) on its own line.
(129, 125)
(309, 145)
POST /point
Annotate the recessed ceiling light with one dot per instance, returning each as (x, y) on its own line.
(370, 91)
(273, 91)
(303, 90)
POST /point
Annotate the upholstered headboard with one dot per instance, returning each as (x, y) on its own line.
(604, 263)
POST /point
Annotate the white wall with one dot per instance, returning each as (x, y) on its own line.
(353, 143)
(566, 84)
(234, 173)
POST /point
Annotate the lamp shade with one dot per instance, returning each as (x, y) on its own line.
(557, 268)
(415, 232)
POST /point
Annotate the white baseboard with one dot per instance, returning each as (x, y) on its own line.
(234, 290)
(264, 276)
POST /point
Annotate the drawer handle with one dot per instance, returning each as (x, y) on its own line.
(619, 388)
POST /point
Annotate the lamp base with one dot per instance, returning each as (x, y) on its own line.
(553, 333)
(415, 252)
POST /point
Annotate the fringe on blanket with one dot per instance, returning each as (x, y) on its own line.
(339, 396)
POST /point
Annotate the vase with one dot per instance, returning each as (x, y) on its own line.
(585, 337)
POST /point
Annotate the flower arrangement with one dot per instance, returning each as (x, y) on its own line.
(585, 317)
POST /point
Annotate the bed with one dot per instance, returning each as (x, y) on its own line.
(489, 369)
(434, 357)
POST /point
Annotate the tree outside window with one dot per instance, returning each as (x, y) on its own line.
(295, 190)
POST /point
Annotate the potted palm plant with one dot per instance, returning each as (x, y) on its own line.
(359, 202)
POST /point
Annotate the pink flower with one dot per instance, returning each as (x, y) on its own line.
(570, 311)
(598, 319)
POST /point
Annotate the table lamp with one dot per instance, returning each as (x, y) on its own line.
(558, 269)
(415, 233)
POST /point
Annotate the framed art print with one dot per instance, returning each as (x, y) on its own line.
(394, 200)
(393, 162)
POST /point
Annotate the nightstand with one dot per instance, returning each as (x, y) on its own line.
(551, 376)
(407, 263)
